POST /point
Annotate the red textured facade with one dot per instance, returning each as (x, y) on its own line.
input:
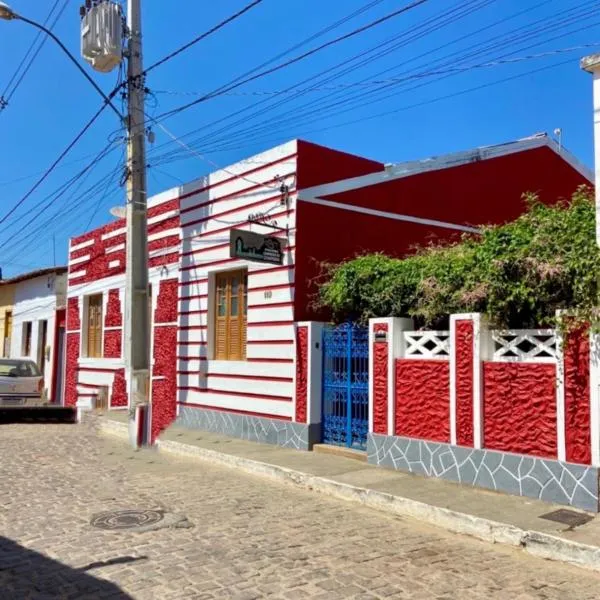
(100, 255)
(576, 354)
(119, 390)
(520, 408)
(301, 374)
(464, 382)
(113, 318)
(106, 257)
(164, 371)
(73, 323)
(423, 399)
(164, 379)
(166, 307)
(380, 382)
(71, 369)
(112, 343)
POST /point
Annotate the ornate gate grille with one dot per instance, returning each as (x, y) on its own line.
(346, 385)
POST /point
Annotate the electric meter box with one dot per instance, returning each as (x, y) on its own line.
(102, 35)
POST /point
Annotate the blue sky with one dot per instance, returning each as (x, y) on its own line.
(438, 49)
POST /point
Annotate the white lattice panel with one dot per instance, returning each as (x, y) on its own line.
(525, 345)
(427, 344)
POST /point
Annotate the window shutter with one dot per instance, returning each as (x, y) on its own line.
(230, 318)
(221, 318)
(94, 326)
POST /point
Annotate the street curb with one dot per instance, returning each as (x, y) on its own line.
(541, 545)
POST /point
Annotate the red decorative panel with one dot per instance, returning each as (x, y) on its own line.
(113, 318)
(577, 397)
(423, 399)
(301, 374)
(165, 242)
(71, 369)
(99, 259)
(166, 259)
(464, 382)
(163, 207)
(164, 390)
(166, 304)
(112, 343)
(520, 408)
(73, 323)
(380, 382)
(119, 389)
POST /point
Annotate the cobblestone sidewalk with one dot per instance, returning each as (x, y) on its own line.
(250, 538)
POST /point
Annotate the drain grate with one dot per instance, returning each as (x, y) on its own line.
(126, 519)
(567, 517)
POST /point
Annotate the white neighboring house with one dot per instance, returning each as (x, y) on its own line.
(38, 326)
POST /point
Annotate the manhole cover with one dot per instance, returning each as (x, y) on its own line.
(567, 517)
(126, 519)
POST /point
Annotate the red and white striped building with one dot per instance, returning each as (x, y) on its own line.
(231, 348)
(96, 285)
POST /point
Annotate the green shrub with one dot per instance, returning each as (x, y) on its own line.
(517, 274)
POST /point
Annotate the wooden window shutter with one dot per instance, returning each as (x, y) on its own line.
(221, 318)
(94, 326)
(230, 315)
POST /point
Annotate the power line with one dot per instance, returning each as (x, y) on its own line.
(6, 96)
(415, 105)
(378, 82)
(51, 168)
(74, 206)
(270, 123)
(105, 192)
(204, 35)
(81, 177)
(428, 27)
(296, 59)
(294, 47)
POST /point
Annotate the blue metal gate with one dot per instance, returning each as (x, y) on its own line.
(346, 385)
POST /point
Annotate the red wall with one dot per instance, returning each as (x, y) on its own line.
(577, 397)
(119, 389)
(301, 374)
(423, 399)
(380, 383)
(520, 408)
(488, 191)
(113, 317)
(97, 266)
(317, 165)
(71, 369)
(464, 383)
(164, 372)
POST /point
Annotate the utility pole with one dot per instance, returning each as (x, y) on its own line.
(136, 329)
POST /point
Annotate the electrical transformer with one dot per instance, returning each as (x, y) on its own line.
(102, 34)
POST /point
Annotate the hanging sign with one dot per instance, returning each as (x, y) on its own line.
(253, 246)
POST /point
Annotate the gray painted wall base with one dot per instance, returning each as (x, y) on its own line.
(540, 478)
(256, 429)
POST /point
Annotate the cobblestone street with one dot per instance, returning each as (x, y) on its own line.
(249, 538)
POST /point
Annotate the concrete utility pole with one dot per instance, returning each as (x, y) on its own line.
(137, 326)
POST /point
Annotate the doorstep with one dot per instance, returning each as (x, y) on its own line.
(487, 515)
(342, 451)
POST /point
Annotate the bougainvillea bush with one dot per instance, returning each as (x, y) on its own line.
(518, 274)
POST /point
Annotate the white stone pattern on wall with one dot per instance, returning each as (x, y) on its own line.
(246, 427)
(543, 479)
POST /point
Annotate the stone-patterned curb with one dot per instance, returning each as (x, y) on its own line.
(538, 544)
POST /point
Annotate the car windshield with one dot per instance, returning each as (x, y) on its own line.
(18, 368)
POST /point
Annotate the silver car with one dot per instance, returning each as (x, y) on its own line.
(21, 382)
